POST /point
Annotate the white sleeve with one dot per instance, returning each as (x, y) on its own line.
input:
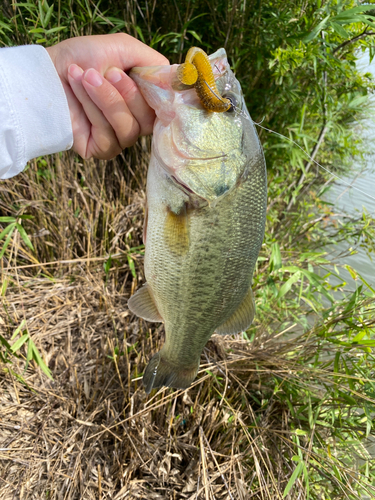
(34, 112)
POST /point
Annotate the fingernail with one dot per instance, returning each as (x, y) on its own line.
(93, 78)
(114, 75)
(75, 72)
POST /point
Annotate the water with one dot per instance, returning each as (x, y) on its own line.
(353, 202)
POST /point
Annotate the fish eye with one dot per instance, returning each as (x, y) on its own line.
(232, 98)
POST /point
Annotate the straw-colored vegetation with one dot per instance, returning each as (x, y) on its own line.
(284, 410)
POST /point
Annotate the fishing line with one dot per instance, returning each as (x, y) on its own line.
(316, 163)
(242, 113)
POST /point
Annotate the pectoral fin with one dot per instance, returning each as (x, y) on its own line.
(176, 231)
(241, 319)
(143, 305)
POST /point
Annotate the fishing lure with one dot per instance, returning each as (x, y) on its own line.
(197, 71)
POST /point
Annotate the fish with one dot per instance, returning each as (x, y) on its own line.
(205, 218)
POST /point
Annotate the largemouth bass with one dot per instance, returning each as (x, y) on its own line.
(205, 219)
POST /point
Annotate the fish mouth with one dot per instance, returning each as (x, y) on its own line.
(191, 146)
(160, 84)
(173, 158)
(160, 76)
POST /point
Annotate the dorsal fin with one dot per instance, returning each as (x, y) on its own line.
(143, 305)
(241, 319)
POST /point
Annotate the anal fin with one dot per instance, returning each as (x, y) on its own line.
(241, 319)
(143, 305)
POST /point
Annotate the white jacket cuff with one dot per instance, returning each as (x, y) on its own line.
(34, 112)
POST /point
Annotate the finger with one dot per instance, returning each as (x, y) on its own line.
(81, 127)
(113, 107)
(129, 91)
(102, 142)
(133, 52)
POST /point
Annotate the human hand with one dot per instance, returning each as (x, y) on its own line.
(107, 110)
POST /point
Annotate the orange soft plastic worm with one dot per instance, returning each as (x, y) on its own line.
(197, 71)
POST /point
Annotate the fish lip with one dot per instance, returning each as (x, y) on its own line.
(151, 74)
(184, 156)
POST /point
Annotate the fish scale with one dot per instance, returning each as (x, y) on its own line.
(206, 209)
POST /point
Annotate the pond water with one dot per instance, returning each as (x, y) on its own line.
(352, 201)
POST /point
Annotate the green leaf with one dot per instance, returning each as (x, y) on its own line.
(314, 279)
(336, 367)
(355, 10)
(139, 31)
(275, 259)
(369, 23)
(41, 13)
(107, 265)
(300, 432)
(366, 283)
(361, 8)
(19, 343)
(359, 336)
(293, 478)
(29, 354)
(368, 342)
(39, 361)
(368, 427)
(351, 401)
(315, 32)
(337, 472)
(306, 477)
(6, 230)
(26, 217)
(8, 219)
(20, 327)
(24, 236)
(48, 15)
(5, 26)
(368, 410)
(195, 35)
(288, 284)
(37, 30)
(137, 249)
(132, 266)
(339, 30)
(6, 243)
(45, 6)
(5, 343)
(55, 30)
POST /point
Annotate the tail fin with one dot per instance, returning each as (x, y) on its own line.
(161, 372)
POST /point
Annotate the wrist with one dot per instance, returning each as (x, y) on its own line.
(50, 53)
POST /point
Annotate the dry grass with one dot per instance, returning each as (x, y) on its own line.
(92, 432)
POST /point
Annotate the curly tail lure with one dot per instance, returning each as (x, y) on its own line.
(197, 71)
